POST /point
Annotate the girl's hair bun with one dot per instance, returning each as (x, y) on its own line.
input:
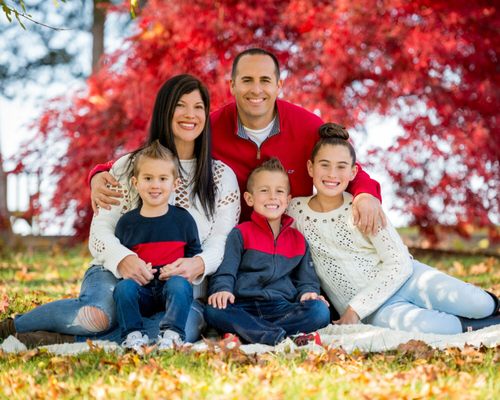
(332, 130)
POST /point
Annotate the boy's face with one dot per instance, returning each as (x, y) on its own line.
(155, 182)
(269, 195)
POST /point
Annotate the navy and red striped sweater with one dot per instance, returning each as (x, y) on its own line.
(159, 240)
(257, 266)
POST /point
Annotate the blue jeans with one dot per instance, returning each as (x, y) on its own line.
(430, 302)
(174, 295)
(269, 321)
(66, 316)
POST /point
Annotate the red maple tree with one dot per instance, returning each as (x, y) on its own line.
(432, 64)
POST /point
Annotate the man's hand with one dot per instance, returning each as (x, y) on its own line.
(100, 195)
(313, 296)
(132, 267)
(220, 299)
(368, 214)
(348, 318)
(189, 268)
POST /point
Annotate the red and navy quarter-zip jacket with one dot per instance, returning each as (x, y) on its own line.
(159, 240)
(259, 267)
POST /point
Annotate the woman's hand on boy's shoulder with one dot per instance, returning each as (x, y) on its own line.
(101, 195)
(220, 299)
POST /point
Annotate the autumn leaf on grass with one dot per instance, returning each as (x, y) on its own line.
(332, 355)
(478, 269)
(496, 358)
(4, 303)
(417, 349)
(23, 275)
(60, 366)
(28, 355)
(93, 348)
(473, 354)
(458, 269)
(230, 350)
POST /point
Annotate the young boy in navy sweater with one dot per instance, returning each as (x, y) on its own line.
(266, 287)
(159, 234)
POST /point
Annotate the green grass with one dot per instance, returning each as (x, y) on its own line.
(30, 279)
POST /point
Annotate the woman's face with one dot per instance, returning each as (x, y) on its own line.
(189, 119)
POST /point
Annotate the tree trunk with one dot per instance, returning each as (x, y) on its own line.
(6, 234)
(98, 34)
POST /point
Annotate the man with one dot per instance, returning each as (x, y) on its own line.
(255, 127)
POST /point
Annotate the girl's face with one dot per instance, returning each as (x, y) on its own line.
(332, 170)
(189, 119)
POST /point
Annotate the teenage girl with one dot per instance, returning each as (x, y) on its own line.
(373, 279)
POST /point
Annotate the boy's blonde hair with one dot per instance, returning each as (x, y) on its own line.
(155, 151)
(271, 165)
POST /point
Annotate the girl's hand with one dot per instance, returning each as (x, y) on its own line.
(348, 318)
(220, 299)
(189, 268)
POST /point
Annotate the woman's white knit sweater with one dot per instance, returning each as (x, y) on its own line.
(354, 269)
(107, 249)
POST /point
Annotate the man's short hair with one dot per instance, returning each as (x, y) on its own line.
(155, 151)
(252, 52)
(271, 165)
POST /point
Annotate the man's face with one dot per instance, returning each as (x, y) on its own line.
(255, 89)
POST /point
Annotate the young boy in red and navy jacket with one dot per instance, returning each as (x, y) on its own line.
(159, 234)
(266, 287)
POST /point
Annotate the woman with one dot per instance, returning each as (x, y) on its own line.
(209, 191)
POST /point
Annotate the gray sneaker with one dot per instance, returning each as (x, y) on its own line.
(169, 340)
(136, 341)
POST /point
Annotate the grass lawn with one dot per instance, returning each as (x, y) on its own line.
(27, 280)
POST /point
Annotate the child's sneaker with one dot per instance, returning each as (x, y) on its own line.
(136, 341)
(169, 340)
(303, 339)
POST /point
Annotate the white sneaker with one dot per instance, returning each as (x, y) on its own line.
(136, 341)
(169, 340)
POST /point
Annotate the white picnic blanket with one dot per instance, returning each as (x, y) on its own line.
(364, 338)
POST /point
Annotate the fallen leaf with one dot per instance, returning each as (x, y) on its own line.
(479, 269)
(458, 269)
(4, 303)
(416, 348)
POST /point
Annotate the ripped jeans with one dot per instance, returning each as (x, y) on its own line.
(71, 316)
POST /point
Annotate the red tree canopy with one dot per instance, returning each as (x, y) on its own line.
(432, 64)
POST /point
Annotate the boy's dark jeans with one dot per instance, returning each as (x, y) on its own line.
(268, 321)
(133, 301)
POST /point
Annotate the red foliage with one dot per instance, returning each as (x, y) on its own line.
(433, 64)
